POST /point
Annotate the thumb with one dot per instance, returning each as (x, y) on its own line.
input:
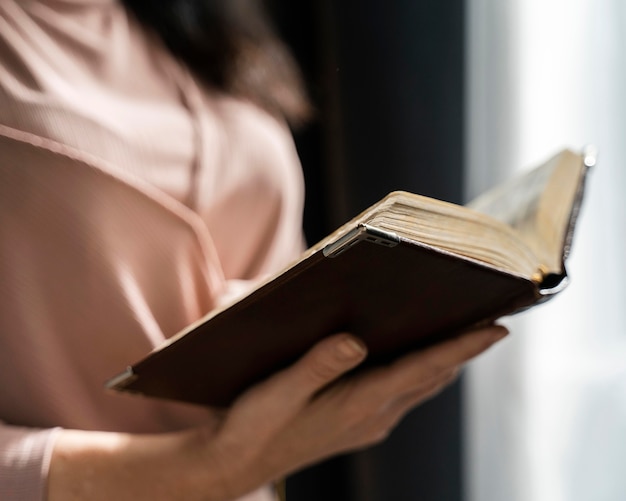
(275, 401)
(292, 387)
(261, 414)
(327, 361)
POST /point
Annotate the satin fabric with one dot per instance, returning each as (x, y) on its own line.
(133, 200)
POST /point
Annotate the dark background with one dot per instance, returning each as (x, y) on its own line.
(387, 79)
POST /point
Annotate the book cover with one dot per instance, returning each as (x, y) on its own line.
(395, 290)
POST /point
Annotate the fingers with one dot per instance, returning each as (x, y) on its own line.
(466, 346)
(411, 372)
(384, 421)
(407, 402)
(381, 397)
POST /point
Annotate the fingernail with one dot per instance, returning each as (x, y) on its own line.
(500, 332)
(350, 348)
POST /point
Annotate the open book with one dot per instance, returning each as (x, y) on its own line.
(407, 272)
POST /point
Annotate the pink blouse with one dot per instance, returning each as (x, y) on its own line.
(132, 201)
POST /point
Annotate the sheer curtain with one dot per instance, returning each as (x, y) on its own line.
(546, 410)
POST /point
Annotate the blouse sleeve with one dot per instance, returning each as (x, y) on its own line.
(24, 461)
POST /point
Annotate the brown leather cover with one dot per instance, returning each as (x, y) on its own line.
(395, 298)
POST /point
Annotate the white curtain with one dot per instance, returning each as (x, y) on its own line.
(546, 410)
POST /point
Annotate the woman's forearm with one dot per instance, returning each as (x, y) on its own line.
(120, 467)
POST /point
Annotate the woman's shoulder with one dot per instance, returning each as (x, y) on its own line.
(93, 81)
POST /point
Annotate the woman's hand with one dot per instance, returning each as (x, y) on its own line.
(305, 414)
(297, 417)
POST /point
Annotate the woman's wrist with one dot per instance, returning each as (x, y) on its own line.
(199, 468)
(105, 465)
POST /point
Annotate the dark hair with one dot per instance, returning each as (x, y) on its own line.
(231, 45)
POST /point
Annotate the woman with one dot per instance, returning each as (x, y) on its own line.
(146, 176)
